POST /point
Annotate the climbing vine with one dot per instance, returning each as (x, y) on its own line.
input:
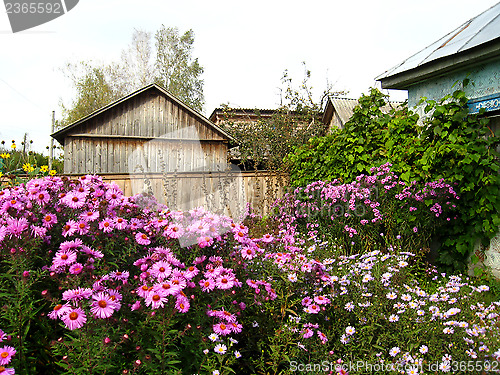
(446, 143)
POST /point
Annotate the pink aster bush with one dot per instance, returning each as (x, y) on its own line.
(113, 284)
(370, 211)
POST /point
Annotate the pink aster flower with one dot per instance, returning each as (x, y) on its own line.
(235, 327)
(161, 270)
(59, 310)
(182, 304)
(6, 354)
(77, 294)
(225, 315)
(156, 299)
(103, 306)
(174, 231)
(76, 269)
(191, 272)
(222, 329)
(49, 220)
(207, 285)
(74, 318)
(17, 227)
(142, 239)
(7, 370)
(225, 282)
(307, 333)
(248, 253)
(106, 225)
(306, 301)
(267, 238)
(74, 199)
(312, 309)
(82, 227)
(322, 337)
(168, 288)
(90, 215)
(321, 300)
(120, 223)
(64, 258)
(205, 241)
(70, 228)
(42, 197)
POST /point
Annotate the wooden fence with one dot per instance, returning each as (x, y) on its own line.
(219, 192)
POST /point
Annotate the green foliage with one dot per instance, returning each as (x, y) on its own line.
(265, 142)
(18, 165)
(449, 144)
(172, 67)
(176, 70)
(93, 90)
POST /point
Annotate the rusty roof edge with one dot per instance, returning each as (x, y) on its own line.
(459, 61)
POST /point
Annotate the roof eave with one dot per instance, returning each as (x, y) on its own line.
(471, 57)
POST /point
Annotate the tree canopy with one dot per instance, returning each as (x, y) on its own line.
(170, 65)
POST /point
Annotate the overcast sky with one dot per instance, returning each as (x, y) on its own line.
(244, 48)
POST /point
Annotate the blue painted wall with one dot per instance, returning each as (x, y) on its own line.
(485, 81)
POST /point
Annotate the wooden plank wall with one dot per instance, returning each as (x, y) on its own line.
(222, 192)
(150, 124)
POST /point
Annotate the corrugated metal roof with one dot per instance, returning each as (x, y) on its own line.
(344, 107)
(479, 30)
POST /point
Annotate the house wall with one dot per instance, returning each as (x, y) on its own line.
(485, 81)
(484, 84)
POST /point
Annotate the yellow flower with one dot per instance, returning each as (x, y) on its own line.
(1, 174)
(28, 167)
(5, 155)
(13, 146)
(52, 172)
(44, 168)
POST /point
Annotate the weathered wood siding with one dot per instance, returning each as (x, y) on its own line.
(223, 192)
(148, 127)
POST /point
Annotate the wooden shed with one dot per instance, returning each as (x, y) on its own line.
(148, 130)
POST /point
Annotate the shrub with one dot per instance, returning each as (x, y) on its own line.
(114, 284)
(452, 145)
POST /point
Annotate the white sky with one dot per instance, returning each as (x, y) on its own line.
(244, 48)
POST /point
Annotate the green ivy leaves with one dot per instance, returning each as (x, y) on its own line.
(448, 143)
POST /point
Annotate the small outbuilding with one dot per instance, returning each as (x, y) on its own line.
(338, 111)
(148, 130)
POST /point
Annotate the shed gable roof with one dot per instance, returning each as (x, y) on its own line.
(62, 133)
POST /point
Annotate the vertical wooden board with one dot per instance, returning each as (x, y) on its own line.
(98, 160)
(143, 110)
(161, 128)
(177, 122)
(128, 120)
(147, 114)
(104, 158)
(167, 116)
(68, 154)
(156, 121)
(88, 156)
(117, 156)
(151, 152)
(111, 155)
(127, 188)
(123, 157)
